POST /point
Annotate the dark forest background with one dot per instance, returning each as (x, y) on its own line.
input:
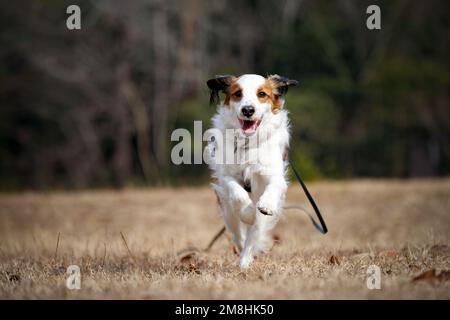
(96, 107)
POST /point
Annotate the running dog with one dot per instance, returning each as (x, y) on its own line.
(254, 129)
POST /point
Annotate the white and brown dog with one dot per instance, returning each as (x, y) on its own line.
(251, 188)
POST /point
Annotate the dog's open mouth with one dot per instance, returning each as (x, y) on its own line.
(249, 126)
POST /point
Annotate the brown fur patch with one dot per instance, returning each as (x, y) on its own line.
(271, 95)
(232, 93)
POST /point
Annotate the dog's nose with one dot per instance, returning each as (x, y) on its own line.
(248, 111)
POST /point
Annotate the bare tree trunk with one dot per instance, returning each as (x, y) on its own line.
(188, 73)
(142, 125)
(160, 104)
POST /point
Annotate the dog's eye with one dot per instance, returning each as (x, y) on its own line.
(262, 94)
(238, 94)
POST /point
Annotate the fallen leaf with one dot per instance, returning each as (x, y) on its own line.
(432, 275)
(186, 257)
(334, 260)
(388, 253)
(427, 275)
(14, 277)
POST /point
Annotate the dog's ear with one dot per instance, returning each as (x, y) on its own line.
(281, 83)
(218, 84)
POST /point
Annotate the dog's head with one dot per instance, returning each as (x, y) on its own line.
(251, 96)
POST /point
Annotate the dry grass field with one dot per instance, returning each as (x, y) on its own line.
(401, 226)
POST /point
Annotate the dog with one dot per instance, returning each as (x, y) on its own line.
(251, 189)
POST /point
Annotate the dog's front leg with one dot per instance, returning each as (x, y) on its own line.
(240, 200)
(272, 198)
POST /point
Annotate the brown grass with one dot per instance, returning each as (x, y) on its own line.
(403, 227)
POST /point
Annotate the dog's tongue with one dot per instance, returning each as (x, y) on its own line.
(248, 126)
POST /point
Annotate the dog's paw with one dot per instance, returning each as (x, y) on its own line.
(239, 197)
(268, 208)
(246, 261)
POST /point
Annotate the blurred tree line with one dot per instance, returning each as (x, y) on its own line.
(96, 107)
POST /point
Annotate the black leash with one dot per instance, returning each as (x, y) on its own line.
(322, 227)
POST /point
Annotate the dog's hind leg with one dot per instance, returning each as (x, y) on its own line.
(230, 208)
(258, 239)
(271, 190)
(233, 225)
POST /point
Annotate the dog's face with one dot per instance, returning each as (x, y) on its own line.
(251, 97)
